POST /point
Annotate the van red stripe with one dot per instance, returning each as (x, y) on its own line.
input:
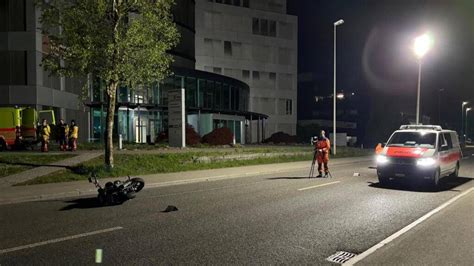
(7, 129)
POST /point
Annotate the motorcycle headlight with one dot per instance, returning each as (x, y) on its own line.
(381, 159)
(426, 162)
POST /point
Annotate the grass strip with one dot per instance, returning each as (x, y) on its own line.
(14, 163)
(142, 164)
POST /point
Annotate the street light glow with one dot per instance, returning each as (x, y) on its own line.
(423, 44)
(339, 22)
(464, 103)
(340, 96)
(468, 109)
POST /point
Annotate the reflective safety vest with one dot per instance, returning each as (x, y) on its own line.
(73, 132)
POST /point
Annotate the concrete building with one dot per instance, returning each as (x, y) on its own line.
(254, 41)
(23, 82)
(212, 100)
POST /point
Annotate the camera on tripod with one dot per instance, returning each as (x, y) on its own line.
(314, 140)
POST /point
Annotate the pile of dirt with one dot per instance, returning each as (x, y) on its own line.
(280, 137)
(219, 136)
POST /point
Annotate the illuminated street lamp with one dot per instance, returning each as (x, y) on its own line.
(462, 117)
(337, 23)
(465, 130)
(422, 45)
(340, 96)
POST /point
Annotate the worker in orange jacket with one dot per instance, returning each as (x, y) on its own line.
(322, 146)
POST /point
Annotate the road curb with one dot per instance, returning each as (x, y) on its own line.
(93, 191)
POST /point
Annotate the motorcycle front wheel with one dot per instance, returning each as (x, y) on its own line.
(137, 184)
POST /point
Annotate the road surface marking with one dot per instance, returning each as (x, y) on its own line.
(3, 251)
(389, 239)
(322, 185)
(98, 255)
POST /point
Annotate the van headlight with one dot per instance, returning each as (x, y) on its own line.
(426, 162)
(381, 159)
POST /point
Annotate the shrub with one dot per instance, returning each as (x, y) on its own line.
(219, 136)
(281, 137)
(162, 137)
(192, 137)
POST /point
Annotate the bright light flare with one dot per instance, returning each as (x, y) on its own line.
(381, 159)
(426, 162)
(340, 96)
(422, 45)
(468, 109)
(464, 103)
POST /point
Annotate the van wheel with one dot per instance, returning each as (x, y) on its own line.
(435, 180)
(3, 145)
(456, 171)
(383, 181)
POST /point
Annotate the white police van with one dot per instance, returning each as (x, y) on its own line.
(425, 152)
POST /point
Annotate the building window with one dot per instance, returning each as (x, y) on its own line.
(264, 27)
(12, 15)
(256, 75)
(255, 26)
(272, 75)
(227, 48)
(272, 30)
(217, 70)
(289, 107)
(245, 74)
(236, 2)
(219, 1)
(228, 2)
(245, 3)
(13, 68)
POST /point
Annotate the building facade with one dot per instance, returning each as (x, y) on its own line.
(212, 100)
(254, 41)
(23, 82)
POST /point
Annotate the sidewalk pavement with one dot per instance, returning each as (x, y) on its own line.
(8, 181)
(80, 188)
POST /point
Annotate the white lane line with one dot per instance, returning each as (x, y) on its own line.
(405, 229)
(3, 251)
(322, 185)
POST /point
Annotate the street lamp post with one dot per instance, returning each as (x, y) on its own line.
(439, 106)
(337, 23)
(465, 129)
(462, 117)
(422, 45)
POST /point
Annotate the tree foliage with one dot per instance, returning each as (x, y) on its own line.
(122, 42)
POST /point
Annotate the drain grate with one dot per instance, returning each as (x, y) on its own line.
(341, 257)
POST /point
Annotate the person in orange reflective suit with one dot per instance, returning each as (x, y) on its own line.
(322, 154)
(378, 149)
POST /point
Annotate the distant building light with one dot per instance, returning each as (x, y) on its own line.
(340, 96)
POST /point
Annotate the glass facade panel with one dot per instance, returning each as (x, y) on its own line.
(218, 95)
(201, 89)
(139, 123)
(226, 97)
(191, 92)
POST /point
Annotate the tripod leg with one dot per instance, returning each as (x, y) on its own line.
(311, 171)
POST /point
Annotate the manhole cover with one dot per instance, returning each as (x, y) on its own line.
(341, 257)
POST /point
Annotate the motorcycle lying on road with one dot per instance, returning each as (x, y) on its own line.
(117, 192)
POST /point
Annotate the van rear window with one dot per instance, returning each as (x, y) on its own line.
(413, 139)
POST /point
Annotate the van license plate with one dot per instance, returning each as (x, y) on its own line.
(400, 175)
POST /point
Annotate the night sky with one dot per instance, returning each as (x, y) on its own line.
(374, 56)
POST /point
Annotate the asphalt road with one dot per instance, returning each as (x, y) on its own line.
(269, 219)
